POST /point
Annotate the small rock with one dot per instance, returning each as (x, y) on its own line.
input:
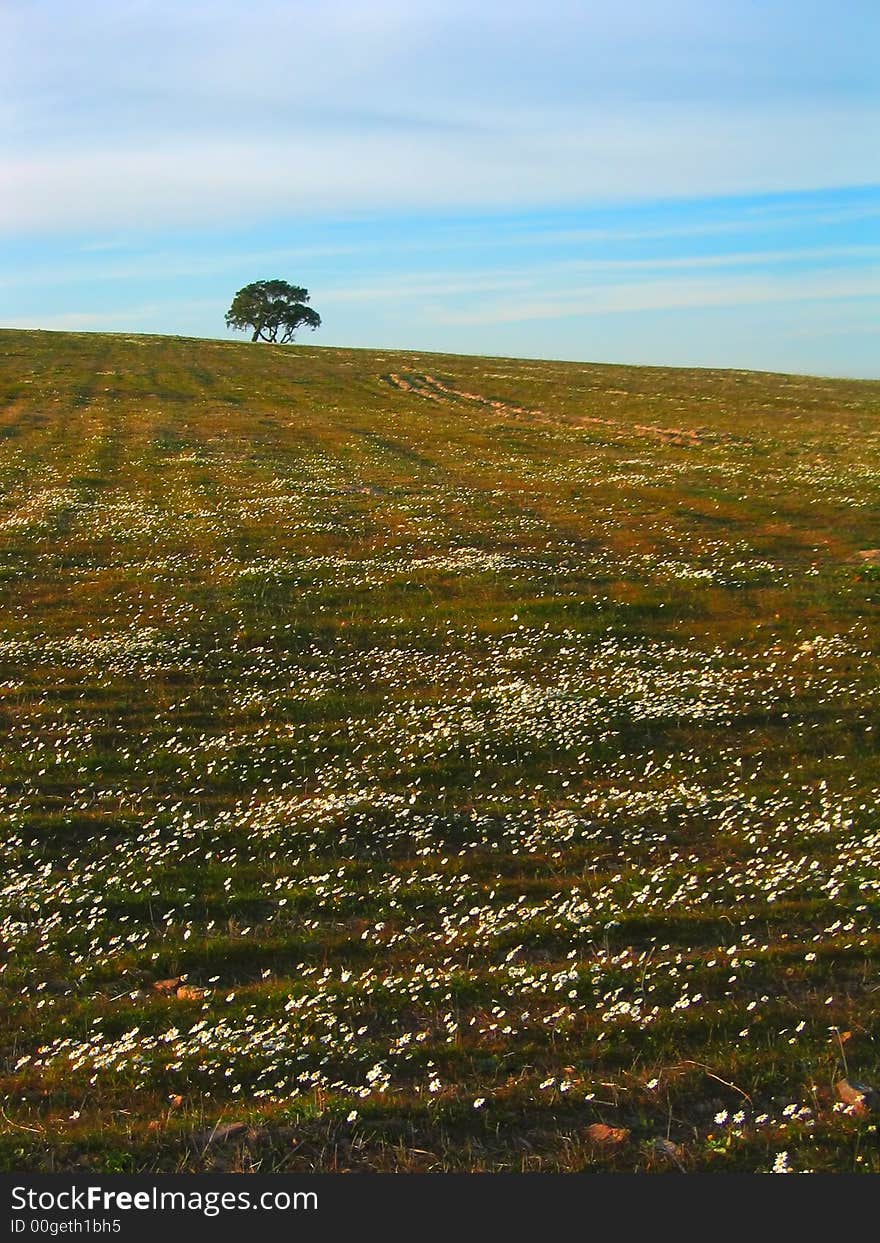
(599, 1133)
(859, 1096)
(666, 1148)
(167, 986)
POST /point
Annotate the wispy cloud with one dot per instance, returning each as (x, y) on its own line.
(596, 158)
(146, 317)
(666, 295)
(136, 114)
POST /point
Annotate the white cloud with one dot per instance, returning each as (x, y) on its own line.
(143, 317)
(130, 113)
(559, 160)
(667, 295)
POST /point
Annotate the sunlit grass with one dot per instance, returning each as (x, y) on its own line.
(471, 761)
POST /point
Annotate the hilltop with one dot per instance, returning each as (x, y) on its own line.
(426, 762)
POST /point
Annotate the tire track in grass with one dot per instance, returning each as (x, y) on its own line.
(435, 390)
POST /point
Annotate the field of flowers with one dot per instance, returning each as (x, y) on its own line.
(434, 763)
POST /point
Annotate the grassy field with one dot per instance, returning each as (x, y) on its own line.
(415, 762)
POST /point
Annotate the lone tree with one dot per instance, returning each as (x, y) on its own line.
(273, 310)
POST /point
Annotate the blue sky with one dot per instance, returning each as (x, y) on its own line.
(691, 182)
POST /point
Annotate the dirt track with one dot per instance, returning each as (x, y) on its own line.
(435, 390)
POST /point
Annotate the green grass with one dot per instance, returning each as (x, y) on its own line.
(490, 745)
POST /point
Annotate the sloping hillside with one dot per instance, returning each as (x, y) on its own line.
(424, 762)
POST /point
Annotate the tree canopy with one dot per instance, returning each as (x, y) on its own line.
(271, 311)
